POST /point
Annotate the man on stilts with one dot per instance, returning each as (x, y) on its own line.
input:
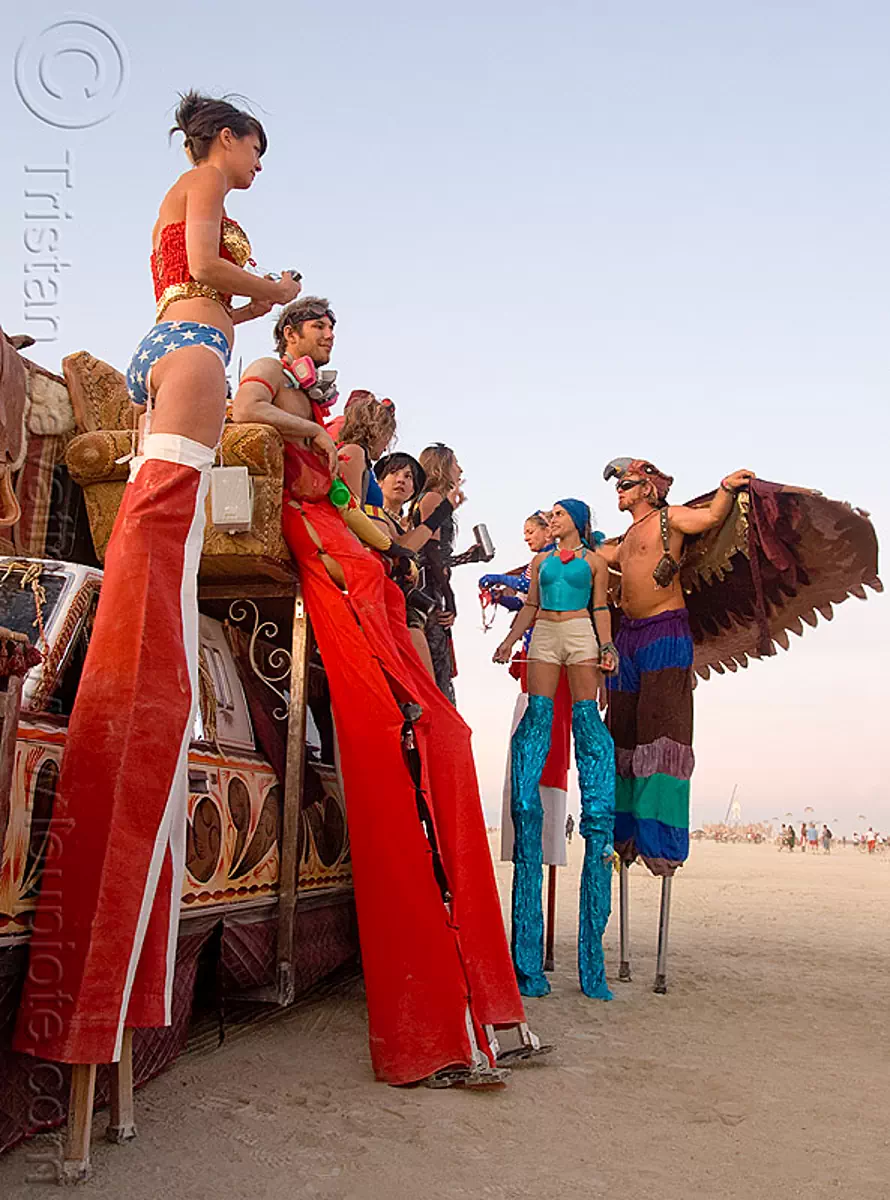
(650, 699)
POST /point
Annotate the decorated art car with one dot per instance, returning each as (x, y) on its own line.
(231, 900)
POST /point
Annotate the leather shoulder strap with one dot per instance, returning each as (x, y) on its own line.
(665, 531)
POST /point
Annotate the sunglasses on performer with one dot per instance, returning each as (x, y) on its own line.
(627, 484)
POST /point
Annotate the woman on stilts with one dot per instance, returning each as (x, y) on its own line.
(510, 591)
(566, 602)
(117, 841)
(443, 1002)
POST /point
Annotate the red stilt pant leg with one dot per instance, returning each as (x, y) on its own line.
(462, 837)
(416, 988)
(104, 940)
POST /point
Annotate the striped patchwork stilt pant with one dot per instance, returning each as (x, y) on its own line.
(650, 718)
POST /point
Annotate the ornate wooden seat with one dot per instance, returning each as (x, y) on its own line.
(106, 422)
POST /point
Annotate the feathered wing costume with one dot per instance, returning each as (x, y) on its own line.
(783, 555)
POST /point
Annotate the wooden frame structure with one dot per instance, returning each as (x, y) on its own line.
(10, 706)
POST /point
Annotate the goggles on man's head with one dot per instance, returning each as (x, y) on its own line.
(311, 312)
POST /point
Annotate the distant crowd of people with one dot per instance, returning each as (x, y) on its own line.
(807, 837)
(810, 837)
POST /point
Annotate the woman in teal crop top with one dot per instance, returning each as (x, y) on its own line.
(562, 583)
(565, 586)
(572, 633)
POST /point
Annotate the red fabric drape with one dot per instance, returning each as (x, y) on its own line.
(424, 968)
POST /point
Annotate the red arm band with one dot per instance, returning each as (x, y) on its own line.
(256, 379)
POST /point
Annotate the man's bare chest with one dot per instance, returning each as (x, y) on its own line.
(637, 546)
(645, 543)
(294, 401)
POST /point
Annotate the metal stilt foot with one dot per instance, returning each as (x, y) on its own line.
(624, 974)
(663, 926)
(529, 1044)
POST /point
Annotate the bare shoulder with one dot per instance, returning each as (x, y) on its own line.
(684, 519)
(429, 502)
(678, 512)
(206, 180)
(267, 368)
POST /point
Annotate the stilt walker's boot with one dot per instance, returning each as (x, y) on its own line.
(528, 753)
(595, 756)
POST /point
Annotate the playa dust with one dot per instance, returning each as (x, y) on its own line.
(763, 1072)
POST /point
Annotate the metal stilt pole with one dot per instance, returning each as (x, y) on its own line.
(624, 974)
(551, 919)
(663, 926)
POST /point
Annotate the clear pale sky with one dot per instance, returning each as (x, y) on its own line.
(552, 234)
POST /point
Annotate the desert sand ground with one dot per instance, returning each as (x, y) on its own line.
(765, 1072)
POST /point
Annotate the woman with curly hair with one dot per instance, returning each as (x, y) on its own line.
(124, 845)
(368, 428)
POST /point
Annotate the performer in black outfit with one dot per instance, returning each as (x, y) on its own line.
(443, 476)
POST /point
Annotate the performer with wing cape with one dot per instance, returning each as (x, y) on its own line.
(706, 586)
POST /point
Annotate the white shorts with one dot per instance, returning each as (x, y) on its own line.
(564, 643)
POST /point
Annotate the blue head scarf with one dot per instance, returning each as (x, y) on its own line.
(580, 514)
(581, 517)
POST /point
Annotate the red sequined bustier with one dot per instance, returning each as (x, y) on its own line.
(170, 265)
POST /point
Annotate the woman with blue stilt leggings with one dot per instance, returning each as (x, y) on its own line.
(566, 602)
